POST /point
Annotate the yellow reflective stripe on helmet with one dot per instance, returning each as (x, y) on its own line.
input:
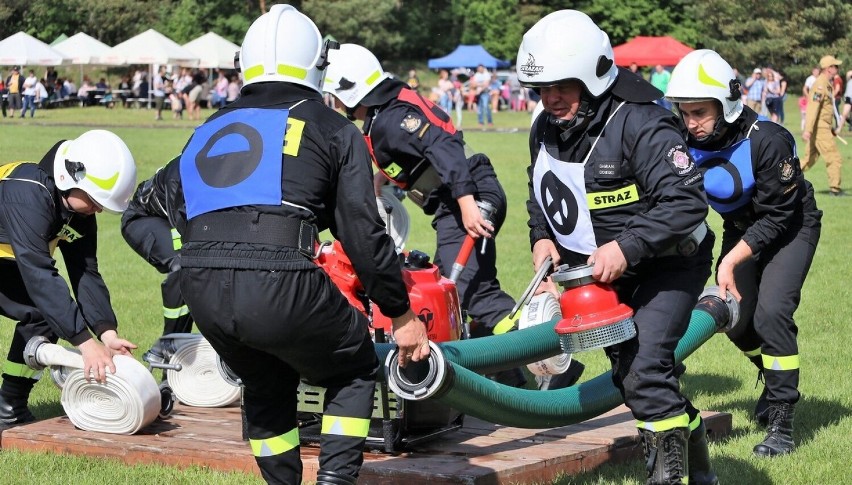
(705, 78)
(752, 353)
(370, 80)
(20, 370)
(175, 312)
(253, 72)
(292, 71)
(276, 445)
(105, 184)
(780, 362)
(344, 426)
(681, 421)
(176, 242)
(614, 198)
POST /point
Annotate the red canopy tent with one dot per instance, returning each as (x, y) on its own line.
(650, 51)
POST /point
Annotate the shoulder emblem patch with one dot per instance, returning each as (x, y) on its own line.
(679, 159)
(411, 123)
(786, 171)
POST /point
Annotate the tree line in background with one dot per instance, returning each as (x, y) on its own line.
(790, 35)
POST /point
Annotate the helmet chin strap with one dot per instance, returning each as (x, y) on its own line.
(719, 128)
(585, 112)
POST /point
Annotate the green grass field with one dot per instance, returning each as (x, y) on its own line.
(718, 377)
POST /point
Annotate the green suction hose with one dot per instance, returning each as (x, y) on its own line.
(472, 394)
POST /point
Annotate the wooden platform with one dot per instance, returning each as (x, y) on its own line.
(479, 453)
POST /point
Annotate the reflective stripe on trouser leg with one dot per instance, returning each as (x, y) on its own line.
(781, 374)
(176, 317)
(20, 370)
(681, 421)
(276, 445)
(345, 424)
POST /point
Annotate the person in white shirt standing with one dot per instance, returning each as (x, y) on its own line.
(29, 94)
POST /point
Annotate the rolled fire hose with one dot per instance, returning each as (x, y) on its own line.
(128, 401)
(198, 382)
(544, 308)
(445, 380)
(395, 216)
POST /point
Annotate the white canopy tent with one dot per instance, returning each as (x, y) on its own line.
(83, 49)
(22, 49)
(213, 50)
(149, 47)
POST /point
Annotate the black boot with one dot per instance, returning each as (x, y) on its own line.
(13, 402)
(761, 409)
(700, 471)
(779, 433)
(666, 456)
(334, 478)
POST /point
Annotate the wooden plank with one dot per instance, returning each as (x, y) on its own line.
(479, 453)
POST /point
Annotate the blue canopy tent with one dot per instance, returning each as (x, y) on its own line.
(468, 56)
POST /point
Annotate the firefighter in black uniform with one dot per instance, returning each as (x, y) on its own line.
(145, 226)
(248, 212)
(771, 227)
(415, 145)
(47, 205)
(612, 184)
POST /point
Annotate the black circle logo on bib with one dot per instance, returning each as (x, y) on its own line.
(722, 181)
(232, 167)
(560, 205)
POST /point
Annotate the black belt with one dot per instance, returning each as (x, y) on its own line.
(254, 228)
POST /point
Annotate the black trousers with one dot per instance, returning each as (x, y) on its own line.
(151, 238)
(662, 293)
(16, 304)
(771, 289)
(478, 287)
(273, 327)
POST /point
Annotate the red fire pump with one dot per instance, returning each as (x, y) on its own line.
(396, 422)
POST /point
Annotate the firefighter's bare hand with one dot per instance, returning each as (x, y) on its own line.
(117, 345)
(475, 225)
(609, 262)
(725, 280)
(541, 250)
(410, 336)
(97, 360)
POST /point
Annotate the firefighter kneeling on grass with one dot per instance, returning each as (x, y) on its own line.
(48, 205)
(249, 193)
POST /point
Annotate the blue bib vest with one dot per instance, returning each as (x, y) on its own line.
(234, 160)
(728, 176)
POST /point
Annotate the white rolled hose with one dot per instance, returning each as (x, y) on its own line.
(544, 308)
(128, 401)
(198, 382)
(395, 216)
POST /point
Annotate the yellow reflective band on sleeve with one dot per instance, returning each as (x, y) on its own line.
(275, 446)
(6, 251)
(695, 423)
(20, 370)
(503, 326)
(681, 421)
(781, 362)
(752, 353)
(176, 242)
(175, 312)
(370, 80)
(623, 196)
(343, 426)
(293, 137)
(392, 170)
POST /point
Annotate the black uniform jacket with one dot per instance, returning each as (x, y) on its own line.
(328, 182)
(401, 133)
(32, 216)
(641, 146)
(783, 200)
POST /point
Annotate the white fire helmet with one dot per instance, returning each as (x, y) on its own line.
(283, 45)
(100, 164)
(564, 45)
(353, 71)
(703, 75)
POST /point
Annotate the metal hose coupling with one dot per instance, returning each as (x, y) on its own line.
(725, 312)
(419, 380)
